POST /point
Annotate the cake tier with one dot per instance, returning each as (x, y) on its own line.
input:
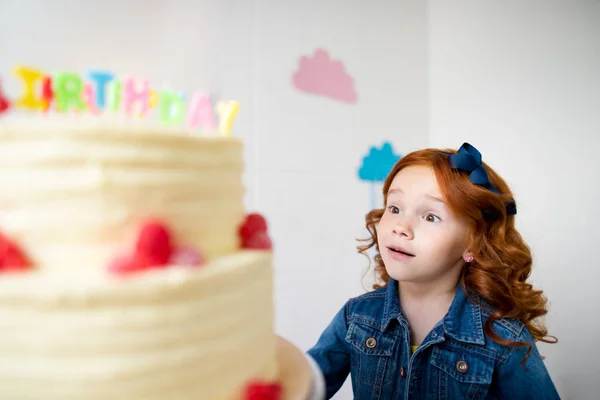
(173, 333)
(79, 193)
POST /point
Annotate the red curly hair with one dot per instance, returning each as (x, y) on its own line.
(502, 261)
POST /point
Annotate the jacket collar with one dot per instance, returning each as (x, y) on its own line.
(463, 322)
(391, 306)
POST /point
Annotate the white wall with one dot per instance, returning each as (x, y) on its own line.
(310, 148)
(302, 151)
(519, 79)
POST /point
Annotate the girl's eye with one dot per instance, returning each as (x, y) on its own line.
(394, 210)
(431, 218)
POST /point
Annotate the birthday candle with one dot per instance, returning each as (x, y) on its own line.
(47, 93)
(152, 98)
(114, 97)
(172, 107)
(201, 113)
(101, 79)
(68, 91)
(152, 101)
(133, 96)
(90, 99)
(29, 77)
(227, 111)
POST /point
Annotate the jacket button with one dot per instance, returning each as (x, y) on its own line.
(371, 343)
(402, 373)
(462, 366)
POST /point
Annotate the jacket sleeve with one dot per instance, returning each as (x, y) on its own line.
(331, 353)
(528, 381)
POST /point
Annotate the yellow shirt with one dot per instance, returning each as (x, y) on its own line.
(413, 348)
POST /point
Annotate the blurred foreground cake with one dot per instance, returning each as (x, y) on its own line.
(129, 269)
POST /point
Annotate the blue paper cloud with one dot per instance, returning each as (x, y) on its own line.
(378, 163)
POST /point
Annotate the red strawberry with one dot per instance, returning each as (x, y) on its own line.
(154, 241)
(4, 103)
(187, 257)
(12, 257)
(253, 223)
(125, 264)
(263, 391)
(260, 241)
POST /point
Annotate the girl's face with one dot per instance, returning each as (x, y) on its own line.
(420, 240)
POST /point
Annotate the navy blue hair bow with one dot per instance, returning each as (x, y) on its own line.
(468, 159)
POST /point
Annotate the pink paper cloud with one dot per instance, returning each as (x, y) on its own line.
(323, 76)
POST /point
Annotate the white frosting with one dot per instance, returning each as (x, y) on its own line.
(71, 195)
(175, 333)
(72, 199)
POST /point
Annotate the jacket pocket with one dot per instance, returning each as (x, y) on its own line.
(373, 352)
(461, 373)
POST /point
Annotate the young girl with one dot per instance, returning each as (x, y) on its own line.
(452, 316)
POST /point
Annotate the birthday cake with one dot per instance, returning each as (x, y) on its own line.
(128, 267)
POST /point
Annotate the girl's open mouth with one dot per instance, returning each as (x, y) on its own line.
(400, 251)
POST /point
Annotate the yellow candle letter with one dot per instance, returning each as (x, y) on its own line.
(30, 77)
(227, 110)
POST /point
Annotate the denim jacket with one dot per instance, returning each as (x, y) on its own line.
(370, 339)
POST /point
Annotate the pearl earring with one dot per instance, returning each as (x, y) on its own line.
(468, 257)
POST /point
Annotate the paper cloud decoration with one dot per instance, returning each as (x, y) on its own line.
(322, 76)
(378, 163)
